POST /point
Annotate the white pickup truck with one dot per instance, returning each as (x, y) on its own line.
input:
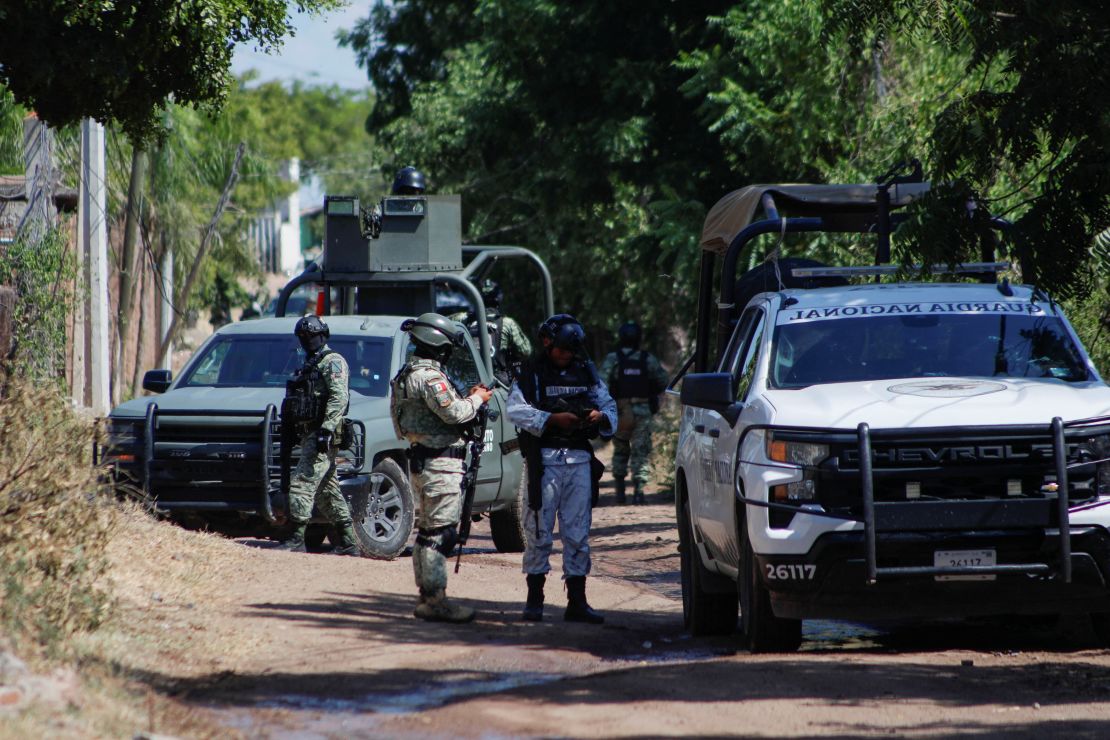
(889, 450)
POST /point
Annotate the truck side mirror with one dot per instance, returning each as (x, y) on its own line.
(157, 381)
(711, 391)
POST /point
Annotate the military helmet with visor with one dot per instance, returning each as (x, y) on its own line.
(435, 332)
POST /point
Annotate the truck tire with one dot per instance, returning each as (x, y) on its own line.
(761, 629)
(383, 512)
(1100, 622)
(506, 526)
(703, 612)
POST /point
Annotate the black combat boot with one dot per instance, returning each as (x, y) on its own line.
(638, 493)
(533, 608)
(295, 541)
(347, 544)
(620, 489)
(578, 610)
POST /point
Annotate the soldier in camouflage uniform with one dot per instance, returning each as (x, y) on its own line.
(635, 379)
(314, 481)
(428, 411)
(510, 344)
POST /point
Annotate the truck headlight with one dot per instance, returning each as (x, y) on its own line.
(121, 440)
(807, 456)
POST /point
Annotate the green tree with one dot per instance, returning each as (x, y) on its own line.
(322, 125)
(565, 129)
(1030, 137)
(124, 60)
(11, 134)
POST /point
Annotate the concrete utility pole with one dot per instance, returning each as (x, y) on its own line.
(94, 246)
(289, 234)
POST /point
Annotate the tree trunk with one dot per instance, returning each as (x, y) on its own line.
(127, 265)
(182, 299)
(144, 279)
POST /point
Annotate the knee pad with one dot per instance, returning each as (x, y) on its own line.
(440, 539)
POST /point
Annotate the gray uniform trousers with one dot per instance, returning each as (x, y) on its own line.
(565, 491)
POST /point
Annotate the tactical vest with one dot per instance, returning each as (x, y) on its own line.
(419, 415)
(633, 380)
(551, 389)
(306, 394)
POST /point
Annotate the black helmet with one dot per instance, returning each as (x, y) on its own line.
(629, 335)
(312, 333)
(491, 293)
(409, 181)
(564, 331)
(434, 332)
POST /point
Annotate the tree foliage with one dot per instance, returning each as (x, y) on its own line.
(564, 127)
(124, 60)
(1031, 137)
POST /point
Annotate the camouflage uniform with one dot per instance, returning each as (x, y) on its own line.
(314, 481)
(427, 410)
(634, 425)
(514, 344)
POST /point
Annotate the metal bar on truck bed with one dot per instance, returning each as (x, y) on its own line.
(769, 207)
(1060, 453)
(867, 485)
(725, 307)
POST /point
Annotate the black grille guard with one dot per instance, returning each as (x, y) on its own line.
(270, 430)
(1000, 514)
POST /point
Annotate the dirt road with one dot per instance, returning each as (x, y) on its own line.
(321, 646)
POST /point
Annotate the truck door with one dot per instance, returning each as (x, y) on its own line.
(741, 361)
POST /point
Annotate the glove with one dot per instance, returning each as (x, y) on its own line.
(323, 441)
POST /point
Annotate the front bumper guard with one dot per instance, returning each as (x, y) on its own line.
(272, 479)
(878, 516)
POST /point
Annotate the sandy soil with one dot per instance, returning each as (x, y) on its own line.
(288, 645)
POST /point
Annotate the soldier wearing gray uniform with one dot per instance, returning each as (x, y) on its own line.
(427, 411)
(323, 384)
(557, 404)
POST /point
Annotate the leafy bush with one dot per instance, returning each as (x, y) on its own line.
(41, 272)
(664, 443)
(54, 521)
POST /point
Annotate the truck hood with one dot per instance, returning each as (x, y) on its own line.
(238, 399)
(938, 402)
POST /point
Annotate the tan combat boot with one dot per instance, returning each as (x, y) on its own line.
(435, 607)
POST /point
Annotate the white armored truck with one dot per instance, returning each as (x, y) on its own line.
(862, 450)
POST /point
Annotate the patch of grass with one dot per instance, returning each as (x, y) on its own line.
(55, 522)
(664, 443)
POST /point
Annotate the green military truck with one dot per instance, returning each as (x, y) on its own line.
(205, 450)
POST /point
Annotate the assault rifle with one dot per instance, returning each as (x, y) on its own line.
(475, 436)
(580, 406)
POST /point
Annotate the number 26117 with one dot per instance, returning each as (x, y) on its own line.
(790, 571)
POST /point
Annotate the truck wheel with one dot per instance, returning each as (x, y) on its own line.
(703, 612)
(762, 630)
(507, 525)
(383, 512)
(1101, 625)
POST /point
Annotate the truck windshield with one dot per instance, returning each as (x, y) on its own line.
(996, 345)
(264, 361)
